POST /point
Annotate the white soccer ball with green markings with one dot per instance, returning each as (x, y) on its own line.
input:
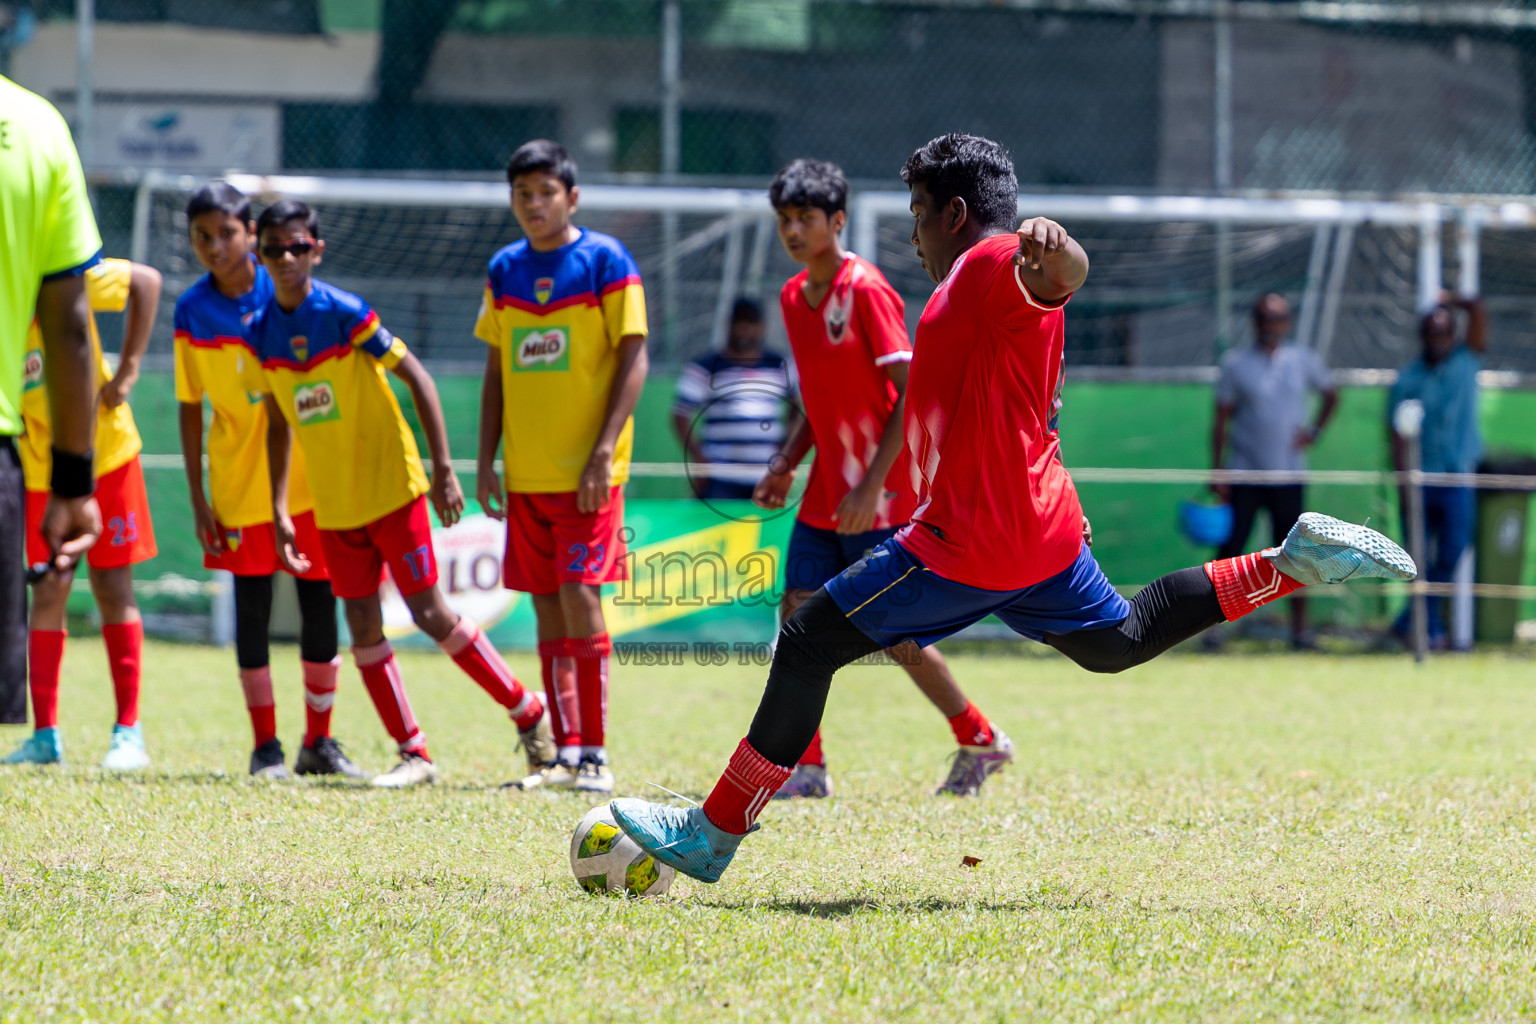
(605, 860)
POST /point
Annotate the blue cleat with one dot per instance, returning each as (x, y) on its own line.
(1322, 549)
(679, 836)
(126, 752)
(45, 746)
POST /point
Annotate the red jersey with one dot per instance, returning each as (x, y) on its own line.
(998, 510)
(842, 348)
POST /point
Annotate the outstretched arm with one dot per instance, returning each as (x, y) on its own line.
(447, 495)
(1050, 261)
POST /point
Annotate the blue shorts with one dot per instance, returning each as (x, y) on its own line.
(891, 598)
(817, 555)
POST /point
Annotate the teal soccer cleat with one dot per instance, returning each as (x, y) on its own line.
(126, 753)
(1322, 549)
(679, 836)
(45, 746)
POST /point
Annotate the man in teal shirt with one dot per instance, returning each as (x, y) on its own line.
(1444, 378)
(49, 238)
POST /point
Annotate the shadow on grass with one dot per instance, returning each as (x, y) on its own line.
(854, 905)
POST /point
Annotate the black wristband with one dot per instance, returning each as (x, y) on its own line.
(73, 476)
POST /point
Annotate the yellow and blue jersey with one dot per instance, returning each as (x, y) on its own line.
(324, 364)
(214, 362)
(557, 319)
(117, 436)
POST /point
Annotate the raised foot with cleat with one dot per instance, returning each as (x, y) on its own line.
(325, 757)
(806, 782)
(1322, 549)
(553, 775)
(45, 746)
(413, 770)
(267, 762)
(972, 766)
(126, 752)
(680, 836)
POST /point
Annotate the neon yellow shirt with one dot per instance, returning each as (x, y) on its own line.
(557, 319)
(324, 364)
(46, 225)
(117, 437)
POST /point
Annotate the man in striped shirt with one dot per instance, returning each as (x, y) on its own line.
(734, 408)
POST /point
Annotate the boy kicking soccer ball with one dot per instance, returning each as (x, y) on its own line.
(848, 331)
(999, 529)
(127, 536)
(564, 316)
(235, 528)
(323, 356)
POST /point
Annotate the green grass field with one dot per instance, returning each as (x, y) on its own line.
(1228, 838)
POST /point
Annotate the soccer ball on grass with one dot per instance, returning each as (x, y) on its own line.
(605, 860)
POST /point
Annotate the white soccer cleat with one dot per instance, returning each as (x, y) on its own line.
(1322, 549)
(413, 770)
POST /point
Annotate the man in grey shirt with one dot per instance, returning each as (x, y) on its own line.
(1261, 404)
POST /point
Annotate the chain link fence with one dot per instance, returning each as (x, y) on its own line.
(1145, 96)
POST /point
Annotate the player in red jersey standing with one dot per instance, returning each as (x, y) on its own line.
(848, 331)
(999, 529)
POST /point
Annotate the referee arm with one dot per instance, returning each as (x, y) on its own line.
(70, 525)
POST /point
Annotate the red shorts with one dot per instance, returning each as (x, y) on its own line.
(252, 550)
(401, 540)
(127, 533)
(550, 542)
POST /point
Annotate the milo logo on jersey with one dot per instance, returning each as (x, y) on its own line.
(315, 403)
(541, 348)
(32, 372)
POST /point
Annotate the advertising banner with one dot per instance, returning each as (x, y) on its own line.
(699, 573)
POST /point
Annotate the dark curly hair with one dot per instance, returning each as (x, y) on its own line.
(810, 183)
(977, 170)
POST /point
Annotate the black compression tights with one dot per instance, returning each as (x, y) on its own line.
(253, 620)
(818, 639)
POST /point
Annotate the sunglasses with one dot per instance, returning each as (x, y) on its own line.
(296, 249)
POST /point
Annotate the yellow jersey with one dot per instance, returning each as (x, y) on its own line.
(117, 437)
(557, 319)
(325, 364)
(214, 362)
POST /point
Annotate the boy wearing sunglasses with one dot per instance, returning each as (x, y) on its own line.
(235, 527)
(323, 356)
(564, 319)
(127, 536)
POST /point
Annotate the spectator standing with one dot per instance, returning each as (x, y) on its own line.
(730, 407)
(1444, 379)
(1261, 407)
(50, 242)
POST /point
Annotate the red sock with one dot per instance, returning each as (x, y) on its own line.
(125, 652)
(45, 659)
(749, 782)
(257, 684)
(813, 754)
(471, 650)
(972, 729)
(557, 669)
(1247, 582)
(381, 675)
(591, 655)
(319, 697)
